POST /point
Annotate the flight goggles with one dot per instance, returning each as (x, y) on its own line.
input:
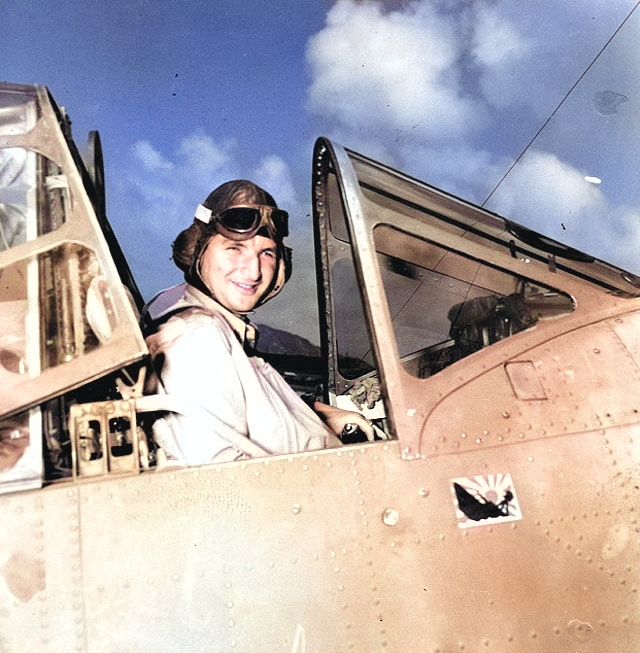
(245, 221)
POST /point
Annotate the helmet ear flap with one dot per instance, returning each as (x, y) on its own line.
(287, 257)
(282, 275)
(192, 273)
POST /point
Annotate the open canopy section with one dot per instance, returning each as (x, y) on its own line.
(66, 315)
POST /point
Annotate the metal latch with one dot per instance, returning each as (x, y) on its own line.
(104, 437)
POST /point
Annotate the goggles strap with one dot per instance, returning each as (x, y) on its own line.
(203, 214)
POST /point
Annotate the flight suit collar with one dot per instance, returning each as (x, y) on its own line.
(246, 331)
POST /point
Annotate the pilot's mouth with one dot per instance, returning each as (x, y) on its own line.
(246, 288)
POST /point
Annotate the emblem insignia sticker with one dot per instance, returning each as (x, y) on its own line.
(481, 500)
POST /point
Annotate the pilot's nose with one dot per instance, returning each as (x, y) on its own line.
(252, 266)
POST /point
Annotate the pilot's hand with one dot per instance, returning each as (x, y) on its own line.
(337, 418)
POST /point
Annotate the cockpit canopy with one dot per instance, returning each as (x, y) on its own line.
(413, 280)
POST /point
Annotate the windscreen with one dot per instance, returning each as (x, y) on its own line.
(445, 306)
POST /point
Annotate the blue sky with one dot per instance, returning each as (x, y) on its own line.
(187, 94)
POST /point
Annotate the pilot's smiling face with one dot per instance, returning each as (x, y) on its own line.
(238, 272)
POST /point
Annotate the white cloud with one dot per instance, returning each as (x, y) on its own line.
(497, 48)
(390, 71)
(495, 41)
(455, 167)
(202, 156)
(152, 160)
(174, 184)
(273, 174)
(552, 197)
(543, 187)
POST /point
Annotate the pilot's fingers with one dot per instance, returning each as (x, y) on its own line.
(362, 423)
(337, 418)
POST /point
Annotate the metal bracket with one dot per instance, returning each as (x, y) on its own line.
(104, 438)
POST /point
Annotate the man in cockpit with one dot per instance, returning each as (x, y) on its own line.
(234, 259)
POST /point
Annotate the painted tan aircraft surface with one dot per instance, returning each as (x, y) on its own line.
(496, 509)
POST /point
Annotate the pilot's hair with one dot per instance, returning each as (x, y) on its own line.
(231, 193)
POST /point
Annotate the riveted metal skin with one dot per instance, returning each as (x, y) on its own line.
(351, 549)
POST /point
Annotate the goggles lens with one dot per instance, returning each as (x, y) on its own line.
(247, 220)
